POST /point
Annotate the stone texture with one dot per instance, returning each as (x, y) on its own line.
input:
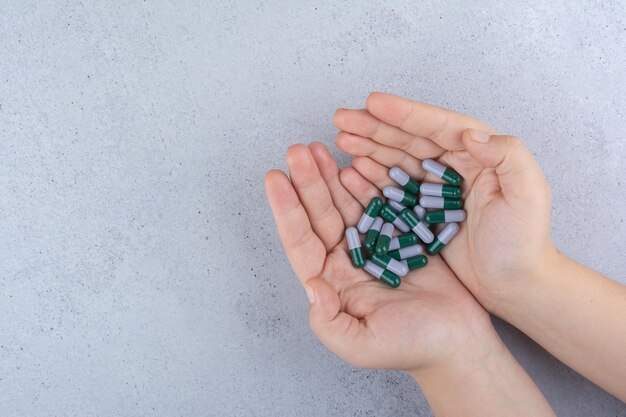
(140, 272)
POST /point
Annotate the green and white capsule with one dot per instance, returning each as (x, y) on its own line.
(396, 206)
(443, 238)
(391, 264)
(440, 190)
(419, 227)
(445, 216)
(428, 201)
(354, 245)
(401, 196)
(402, 241)
(382, 274)
(440, 171)
(392, 216)
(420, 212)
(404, 180)
(384, 239)
(372, 234)
(405, 253)
(415, 262)
(372, 210)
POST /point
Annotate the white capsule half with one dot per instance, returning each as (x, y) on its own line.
(410, 251)
(423, 232)
(455, 216)
(419, 211)
(433, 167)
(399, 176)
(393, 193)
(430, 188)
(364, 223)
(428, 201)
(401, 225)
(448, 233)
(398, 267)
(395, 205)
(352, 236)
(386, 230)
(377, 224)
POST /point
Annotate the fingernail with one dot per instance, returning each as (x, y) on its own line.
(310, 293)
(478, 136)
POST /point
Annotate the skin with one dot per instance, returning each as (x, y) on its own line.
(503, 253)
(430, 326)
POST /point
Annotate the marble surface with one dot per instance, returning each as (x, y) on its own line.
(140, 272)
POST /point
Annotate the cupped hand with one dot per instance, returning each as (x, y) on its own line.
(506, 237)
(430, 319)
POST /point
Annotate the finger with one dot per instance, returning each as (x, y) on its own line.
(304, 249)
(384, 155)
(343, 334)
(349, 208)
(314, 195)
(358, 186)
(373, 172)
(362, 123)
(518, 173)
(444, 127)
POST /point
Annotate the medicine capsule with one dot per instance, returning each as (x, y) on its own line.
(391, 264)
(396, 206)
(419, 227)
(419, 211)
(401, 196)
(405, 253)
(402, 241)
(372, 210)
(354, 244)
(404, 180)
(392, 216)
(372, 234)
(415, 262)
(443, 238)
(441, 202)
(382, 274)
(440, 190)
(440, 171)
(384, 239)
(445, 216)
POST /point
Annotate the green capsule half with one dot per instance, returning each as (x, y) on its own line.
(372, 234)
(388, 213)
(416, 262)
(374, 207)
(409, 218)
(443, 238)
(402, 241)
(358, 259)
(354, 246)
(452, 177)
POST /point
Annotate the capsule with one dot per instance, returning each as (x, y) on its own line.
(416, 262)
(384, 239)
(390, 264)
(440, 190)
(354, 244)
(401, 196)
(445, 216)
(396, 206)
(382, 274)
(402, 241)
(440, 171)
(428, 201)
(391, 216)
(419, 211)
(404, 180)
(405, 253)
(443, 238)
(372, 234)
(419, 227)
(372, 210)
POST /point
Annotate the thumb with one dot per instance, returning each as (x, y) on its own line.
(342, 333)
(518, 173)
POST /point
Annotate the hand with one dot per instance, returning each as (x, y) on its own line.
(431, 320)
(506, 238)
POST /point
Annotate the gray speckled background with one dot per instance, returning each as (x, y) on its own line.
(140, 273)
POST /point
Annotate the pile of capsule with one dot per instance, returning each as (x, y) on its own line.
(392, 255)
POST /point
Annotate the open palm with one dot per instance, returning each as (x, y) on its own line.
(429, 319)
(506, 196)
